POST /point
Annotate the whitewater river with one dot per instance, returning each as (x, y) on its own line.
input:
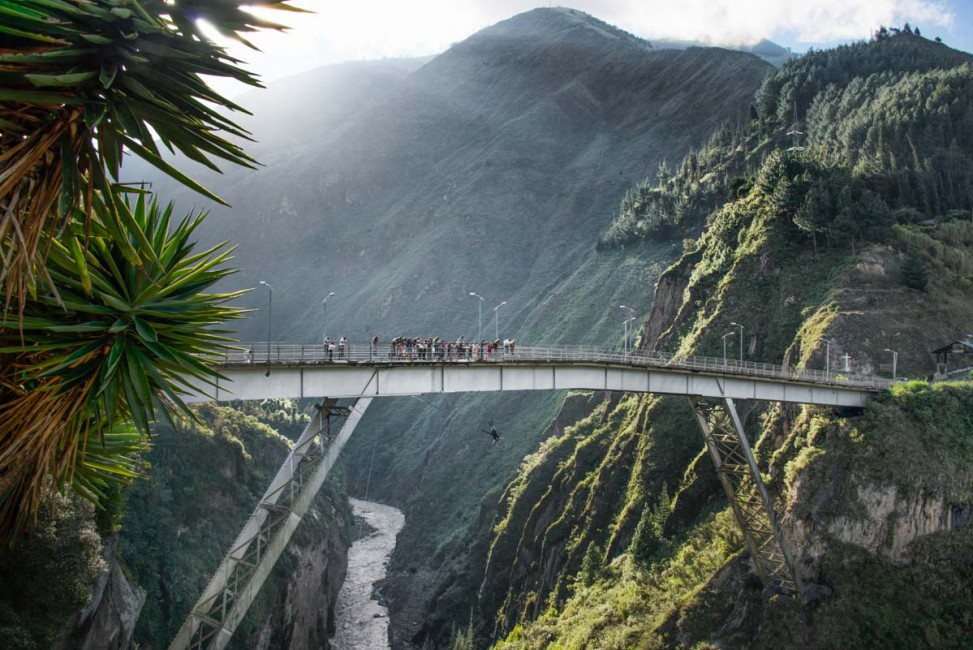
(363, 624)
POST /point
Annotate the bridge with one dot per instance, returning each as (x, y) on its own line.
(259, 371)
(363, 372)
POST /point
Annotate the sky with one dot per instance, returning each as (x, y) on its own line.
(344, 30)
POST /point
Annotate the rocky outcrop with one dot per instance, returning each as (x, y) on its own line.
(882, 520)
(666, 306)
(108, 622)
(305, 617)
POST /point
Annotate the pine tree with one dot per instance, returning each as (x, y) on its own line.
(915, 272)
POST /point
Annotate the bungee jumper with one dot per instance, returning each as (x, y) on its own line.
(493, 433)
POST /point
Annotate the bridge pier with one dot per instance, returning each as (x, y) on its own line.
(215, 616)
(751, 504)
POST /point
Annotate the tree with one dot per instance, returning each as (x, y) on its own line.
(818, 211)
(784, 179)
(915, 272)
(863, 215)
(105, 319)
(592, 565)
(649, 540)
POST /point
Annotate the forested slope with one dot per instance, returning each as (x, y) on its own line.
(128, 574)
(616, 533)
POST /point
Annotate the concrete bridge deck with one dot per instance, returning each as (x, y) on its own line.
(294, 371)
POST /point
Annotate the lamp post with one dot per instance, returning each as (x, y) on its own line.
(324, 322)
(270, 313)
(627, 330)
(895, 362)
(629, 334)
(496, 320)
(479, 315)
(724, 344)
(741, 340)
(827, 357)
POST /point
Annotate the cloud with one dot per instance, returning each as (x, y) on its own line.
(369, 29)
(747, 21)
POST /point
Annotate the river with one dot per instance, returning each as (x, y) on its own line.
(362, 623)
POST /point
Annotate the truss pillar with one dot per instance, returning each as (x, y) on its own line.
(216, 614)
(754, 511)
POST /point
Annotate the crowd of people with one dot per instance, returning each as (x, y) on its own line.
(416, 349)
(438, 349)
(419, 349)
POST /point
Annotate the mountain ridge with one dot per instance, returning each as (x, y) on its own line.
(445, 152)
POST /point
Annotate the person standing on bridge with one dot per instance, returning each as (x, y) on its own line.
(374, 349)
(342, 342)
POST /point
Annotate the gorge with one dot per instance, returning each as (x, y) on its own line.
(565, 167)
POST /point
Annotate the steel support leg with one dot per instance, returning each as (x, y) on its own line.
(754, 511)
(216, 614)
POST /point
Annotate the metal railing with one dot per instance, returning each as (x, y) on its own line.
(384, 353)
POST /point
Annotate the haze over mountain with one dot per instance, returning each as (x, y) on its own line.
(491, 168)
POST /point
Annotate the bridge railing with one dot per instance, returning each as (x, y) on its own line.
(358, 353)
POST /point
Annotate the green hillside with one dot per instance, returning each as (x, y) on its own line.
(800, 246)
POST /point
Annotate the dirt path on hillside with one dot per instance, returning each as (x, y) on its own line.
(362, 624)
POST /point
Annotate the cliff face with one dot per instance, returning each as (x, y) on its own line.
(108, 621)
(303, 615)
(877, 513)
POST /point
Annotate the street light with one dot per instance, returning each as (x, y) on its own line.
(741, 340)
(827, 357)
(270, 313)
(895, 362)
(479, 315)
(629, 334)
(496, 320)
(724, 344)
(627, 328)
(324, 323)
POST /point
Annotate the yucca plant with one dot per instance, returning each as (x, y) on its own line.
(112, 344)
(104, 319)
(83, 80)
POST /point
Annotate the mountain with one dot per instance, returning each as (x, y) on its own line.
(769, 51)
(488, 169)
(491, 168)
